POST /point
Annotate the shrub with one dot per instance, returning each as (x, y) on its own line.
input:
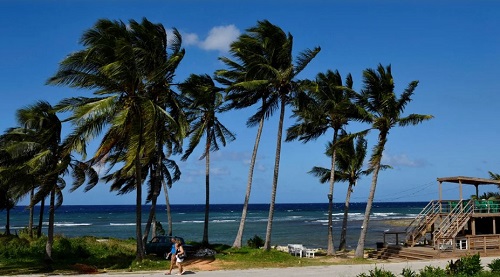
(407, 272)
(377, 272)
(495, 265)
(430, 271)
(255, 242)
(467, 265)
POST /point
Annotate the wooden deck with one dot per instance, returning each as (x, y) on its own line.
(396, 252)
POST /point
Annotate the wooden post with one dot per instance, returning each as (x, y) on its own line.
(473, 223)
(460, 185)
(440, 191)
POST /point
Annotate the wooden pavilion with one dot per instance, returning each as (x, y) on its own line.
(455, 225)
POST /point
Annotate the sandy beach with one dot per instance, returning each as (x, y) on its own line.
(333, 270)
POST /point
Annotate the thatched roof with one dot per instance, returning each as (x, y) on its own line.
(469, 180)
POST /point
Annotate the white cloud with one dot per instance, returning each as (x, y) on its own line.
(220, 37)
(401, 160)
(190, 39)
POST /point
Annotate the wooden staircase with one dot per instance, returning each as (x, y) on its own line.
(417, 229)
(396, 252)
(452, 224)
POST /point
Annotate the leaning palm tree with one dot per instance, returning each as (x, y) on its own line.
(379, 99)
(124, 64)
(7, 203)
(351, 156)
(14, 173)
(268, 68)
(205, 102)
(243, 93)
(47, 157)
(328, 105)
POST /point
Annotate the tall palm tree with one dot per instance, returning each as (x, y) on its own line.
(243, 93)
(125, 64)
(351, 156)
(327, 106)
(7, 203)
(15, 180)
(379, 99)
(267, 65)
(48, 158)
(205, 102)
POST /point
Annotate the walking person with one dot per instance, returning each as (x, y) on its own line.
(172, 255)
(180, 255)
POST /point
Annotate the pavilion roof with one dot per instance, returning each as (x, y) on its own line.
(469, 180)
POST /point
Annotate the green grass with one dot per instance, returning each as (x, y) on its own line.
(23, 255)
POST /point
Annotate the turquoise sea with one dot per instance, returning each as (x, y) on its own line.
(304, 223)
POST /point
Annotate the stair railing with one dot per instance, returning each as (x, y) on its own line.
(450, 225)
(420, 224)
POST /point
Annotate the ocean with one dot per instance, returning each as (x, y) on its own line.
(304, 223)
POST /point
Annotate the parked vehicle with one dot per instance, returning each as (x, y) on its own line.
(161, 245)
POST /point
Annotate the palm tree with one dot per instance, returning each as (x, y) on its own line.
(243, 94)
(267, 67)
(126, 64)
(7, 202)
(205, 102)
(15, 181)
(327, 106)
(47, 158)
(379, 99)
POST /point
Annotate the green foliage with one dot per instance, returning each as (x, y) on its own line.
(13, 246)
(377, 272)
(431, 271)
(255, 242)
(159, 229)
(494, 266)
(407, 272)
(21, 255)
(469, 265)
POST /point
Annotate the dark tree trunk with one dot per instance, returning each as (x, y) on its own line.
(50, 232)
(343, 234)
(40, 220)
(207, 192)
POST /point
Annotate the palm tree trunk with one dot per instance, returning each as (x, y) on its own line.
(156, 192)
(7, 224)
(169, 212)
(343, 234)
(138, 208)
(267, 244)
(239, 236)
(40, 219)
(152, 212)
(204, 241)
(377, 159)
(331, 250)
(32, 213)
(50, 231)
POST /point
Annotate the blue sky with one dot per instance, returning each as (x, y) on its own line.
(451, 47)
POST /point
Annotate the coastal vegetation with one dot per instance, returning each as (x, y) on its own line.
(90, 255)
(21, 255)
(142, 116)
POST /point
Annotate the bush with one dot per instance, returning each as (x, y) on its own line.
(465, 266)
(495, 265)
(430, 271)
(377, 272)
(255, 242)
(407, 272)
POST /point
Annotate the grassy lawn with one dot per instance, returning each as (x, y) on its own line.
(21, 255)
